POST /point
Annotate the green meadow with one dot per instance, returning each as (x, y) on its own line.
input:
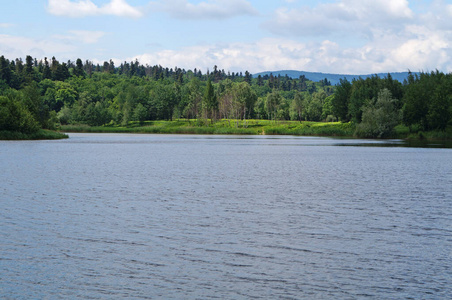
(247, 127)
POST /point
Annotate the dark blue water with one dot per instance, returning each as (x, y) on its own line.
(202, 217)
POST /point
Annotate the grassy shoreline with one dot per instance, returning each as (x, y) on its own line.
(239, 127)
(253, 127)
(230, 127)
(41, 134)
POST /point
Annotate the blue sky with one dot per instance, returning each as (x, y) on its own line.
(341, 36)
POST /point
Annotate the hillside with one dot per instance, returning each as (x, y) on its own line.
(333, 78)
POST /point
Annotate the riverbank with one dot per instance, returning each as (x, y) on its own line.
(241, 127)
(41, 134)
(254, 127)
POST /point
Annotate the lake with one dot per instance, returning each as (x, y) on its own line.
(102, 216)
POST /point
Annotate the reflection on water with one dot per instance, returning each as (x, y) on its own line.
(201, 217)
(429, 144)
(259, 139)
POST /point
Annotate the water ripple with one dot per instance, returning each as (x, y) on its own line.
(180, 217)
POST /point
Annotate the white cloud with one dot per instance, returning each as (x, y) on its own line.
(211, 9)
(345, 16)
(384, 54)
(16, 46)
(266, 54)
(428, 48)
(83, 8)
(88, 37)
(351, 36)
(72, 9)
(83, 36)
(390, 36)
(437, 17)
(121, 8)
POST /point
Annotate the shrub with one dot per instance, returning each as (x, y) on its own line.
(14, 116)
(379, 119)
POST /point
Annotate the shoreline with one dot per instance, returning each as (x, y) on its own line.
(231, 127)
(238, 127)
(41, 134)
(255, 127)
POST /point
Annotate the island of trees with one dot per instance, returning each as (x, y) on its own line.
(49, 94)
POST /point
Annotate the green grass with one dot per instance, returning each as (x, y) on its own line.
(240, 127)
(41, 134)
(253, 127)
(312, 129)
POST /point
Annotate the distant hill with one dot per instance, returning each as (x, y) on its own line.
(333, 78)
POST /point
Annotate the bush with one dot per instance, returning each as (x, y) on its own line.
(14, 116)
(379, 119)
(41, 134)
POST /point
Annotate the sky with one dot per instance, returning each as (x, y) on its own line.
(341, 36)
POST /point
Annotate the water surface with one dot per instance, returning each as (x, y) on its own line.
(202, 217)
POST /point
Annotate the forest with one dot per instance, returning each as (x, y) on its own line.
(48, 94)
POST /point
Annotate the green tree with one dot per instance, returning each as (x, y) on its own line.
(63, 94)
(248, 77)
(379, 119)
(259, 108)
(272, 104)
(29, 72)
(396, 89)
(314, 105)
(46, 73)
(5, 70)
(226, 99)
(210, 101)
(14, 116)
(341, 100)
(61, 72)
(416, 99)
(79, 108)
(112, 68)
(96, 114)
(35, 105)
(194, 98)
(164, 99)
(327, 110)
(244, 99)
(439, 106)
(65, 115)
(78, 70)
(237, 100)
(297, 107)
(140, 113)
(361, 93)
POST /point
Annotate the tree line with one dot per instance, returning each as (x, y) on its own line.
(422, 102)
(42, 93)
(80, 92)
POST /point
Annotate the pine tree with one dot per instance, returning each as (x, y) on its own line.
(29, 67)
(260, 81)
(210, 100)
(5, 70)
(248, 77)
(61, 73)
(78, 70)
(112, 67)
